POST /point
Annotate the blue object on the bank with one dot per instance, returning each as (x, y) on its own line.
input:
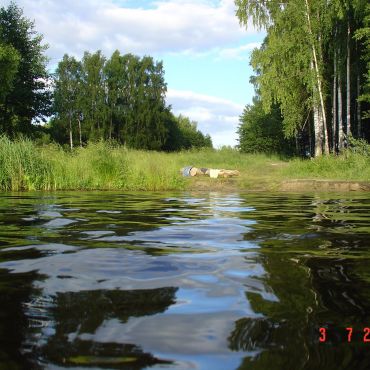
(186, 171)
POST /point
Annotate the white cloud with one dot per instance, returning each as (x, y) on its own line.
(71, 26)
(215, 116)
(240, 52)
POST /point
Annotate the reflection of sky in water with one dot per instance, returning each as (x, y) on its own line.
(107, 268)
(207, 258)
(190, 339)
(219, 228)
(223, 233)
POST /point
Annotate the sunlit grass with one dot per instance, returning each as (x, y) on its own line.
(101, 166)
(349, 166)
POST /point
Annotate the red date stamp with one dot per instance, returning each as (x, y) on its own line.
(365, 334)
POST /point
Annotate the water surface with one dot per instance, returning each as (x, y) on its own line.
(107, 280)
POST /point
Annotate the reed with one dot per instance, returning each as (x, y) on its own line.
(23, 166)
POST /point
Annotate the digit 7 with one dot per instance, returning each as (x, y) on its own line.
(349, 337)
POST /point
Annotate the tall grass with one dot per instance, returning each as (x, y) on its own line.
(26, 166)
(23, 166)
(348, 166)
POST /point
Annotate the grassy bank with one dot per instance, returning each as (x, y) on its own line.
(25, 166)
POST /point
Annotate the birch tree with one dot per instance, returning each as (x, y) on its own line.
(113, 72)
(291, 67)
(67, 93)
(309, 62)
(362, 34)
(94, 107)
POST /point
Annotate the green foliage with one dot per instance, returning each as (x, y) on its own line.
(146, 125)
(24, 96)
(122, 98)
(9, 62)
(114, 74)
(283, 63)
(185, 135)
(363, 34)
(311, 66)
(68, 92)
(359, 146)
(261, 132)
(92, 96)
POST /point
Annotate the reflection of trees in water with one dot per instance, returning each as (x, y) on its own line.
(280, 338)
(342, 285)
(287, 337)
(119, 214)
(86, 310)
(305, 222)
(25, 314)
(76, 313)
(14, 290)
(301, 241)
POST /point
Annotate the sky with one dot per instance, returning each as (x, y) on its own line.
(205, 52)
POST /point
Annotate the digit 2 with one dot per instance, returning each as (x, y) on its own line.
(367, 335)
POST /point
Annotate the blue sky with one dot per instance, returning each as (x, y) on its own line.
(204, 50)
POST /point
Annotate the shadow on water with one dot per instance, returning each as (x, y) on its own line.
(184, 280)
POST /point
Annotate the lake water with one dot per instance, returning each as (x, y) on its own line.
(105, 280)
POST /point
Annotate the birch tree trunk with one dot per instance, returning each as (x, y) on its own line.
(359, 122)
(70, 132)
(319, 84)
(358, 106)
(110, 126)
(325, 130)
(318, 129)
(340, 115)
(348, 129)
(334, 124)
(79, 131)
(310, 139)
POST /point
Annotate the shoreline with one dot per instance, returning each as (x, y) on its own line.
(99, 166)
(290, 185)
(236, 185)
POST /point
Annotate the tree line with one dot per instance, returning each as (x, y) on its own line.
(312, 74)
(120, 99)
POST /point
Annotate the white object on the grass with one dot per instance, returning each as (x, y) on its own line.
(214, 173)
